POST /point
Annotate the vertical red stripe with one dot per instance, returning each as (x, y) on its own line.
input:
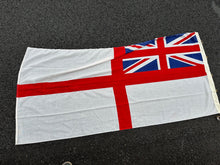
(123, 110)
(119, 51)
(162, 55)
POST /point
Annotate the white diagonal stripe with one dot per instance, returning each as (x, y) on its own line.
(181, 61)
(178, 39)
(181, 55)
(141, 65)
(190, 59)
(130, 47)
(132, 64)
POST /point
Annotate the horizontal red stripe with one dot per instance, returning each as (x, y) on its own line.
(108, 81)
(164, 75)
(63, 86)
(156, 51)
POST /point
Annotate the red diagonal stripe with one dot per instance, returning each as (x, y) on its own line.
(135, 46)
(150, 45)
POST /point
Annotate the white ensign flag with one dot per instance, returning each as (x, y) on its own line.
(71, 93)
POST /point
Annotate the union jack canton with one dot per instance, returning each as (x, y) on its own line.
(174, 60)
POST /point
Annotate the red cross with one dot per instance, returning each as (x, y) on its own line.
(118, 80)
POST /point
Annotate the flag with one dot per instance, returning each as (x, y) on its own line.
(64, 93)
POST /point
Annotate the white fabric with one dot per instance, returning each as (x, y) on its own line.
(170, 101)
(66, 115)
(49, 65)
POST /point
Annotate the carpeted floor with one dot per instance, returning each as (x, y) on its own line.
(107, 23)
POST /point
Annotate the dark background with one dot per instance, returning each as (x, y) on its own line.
(107, 23)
